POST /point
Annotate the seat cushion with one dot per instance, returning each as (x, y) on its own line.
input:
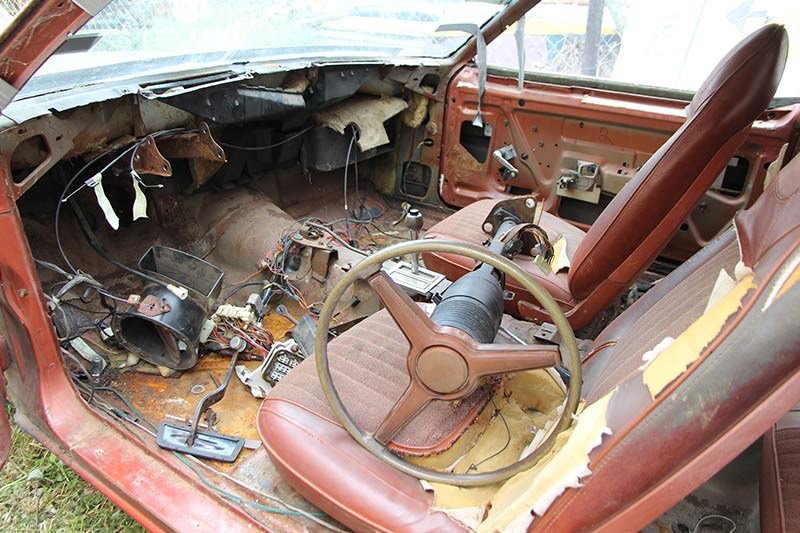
(368, 365)
(329, 468)
(465, 225)
(780, 475)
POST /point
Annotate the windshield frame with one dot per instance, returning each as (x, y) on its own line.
(264, 59)
(27, 27)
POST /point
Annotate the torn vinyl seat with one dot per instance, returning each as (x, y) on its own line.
(724, 365)
(644, 215)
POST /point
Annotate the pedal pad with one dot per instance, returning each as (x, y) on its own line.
(207, 444)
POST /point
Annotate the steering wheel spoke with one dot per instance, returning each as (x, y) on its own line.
(444, 362)
(492, 359)
(413, 400)
(412, 320)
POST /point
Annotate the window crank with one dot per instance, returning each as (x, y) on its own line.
(504, 155)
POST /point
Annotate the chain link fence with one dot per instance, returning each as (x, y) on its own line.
(566, 54)
(557, 34)
(129, 14)
(12, 7)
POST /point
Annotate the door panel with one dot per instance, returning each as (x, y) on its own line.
(552, 128)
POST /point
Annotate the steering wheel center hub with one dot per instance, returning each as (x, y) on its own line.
(442, 369)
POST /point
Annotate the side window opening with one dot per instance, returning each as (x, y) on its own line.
(669, 45)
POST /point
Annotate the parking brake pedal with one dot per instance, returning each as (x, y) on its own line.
(192, 440)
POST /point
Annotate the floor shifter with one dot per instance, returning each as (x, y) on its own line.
(411, 218)
(410, 275)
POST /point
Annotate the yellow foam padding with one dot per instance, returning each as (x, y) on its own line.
(536, 489)
(527, 402)
(676, 358)
(416, 112)
(560, 258)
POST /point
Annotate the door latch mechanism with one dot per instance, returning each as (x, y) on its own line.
(582, 179)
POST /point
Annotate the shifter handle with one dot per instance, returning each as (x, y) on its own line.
(411, 218)
(413, 222)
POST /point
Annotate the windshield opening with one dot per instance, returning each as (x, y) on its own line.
(150, 35)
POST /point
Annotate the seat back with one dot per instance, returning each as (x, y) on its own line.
(733, 371)
(642, 218)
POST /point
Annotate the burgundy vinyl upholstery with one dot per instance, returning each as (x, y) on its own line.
(645, 214)
(780, 475)
(368, 366)
(755, 352)
(651, 439)
(296, 424)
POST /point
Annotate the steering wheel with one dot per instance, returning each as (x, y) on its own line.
(443, 362)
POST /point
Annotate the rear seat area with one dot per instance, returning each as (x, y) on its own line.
(780, 475)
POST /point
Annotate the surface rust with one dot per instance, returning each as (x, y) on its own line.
(156, 397)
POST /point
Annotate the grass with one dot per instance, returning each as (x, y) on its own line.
(38, 492)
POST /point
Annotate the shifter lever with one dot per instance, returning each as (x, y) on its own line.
(414, 223)
(411, 219)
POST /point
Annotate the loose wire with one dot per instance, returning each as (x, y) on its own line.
(259, 148)
(185, 459)
(64, 197)
(499, 412)
(703, 519)
(346, 166)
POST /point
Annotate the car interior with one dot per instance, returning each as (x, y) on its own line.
(413, 298)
